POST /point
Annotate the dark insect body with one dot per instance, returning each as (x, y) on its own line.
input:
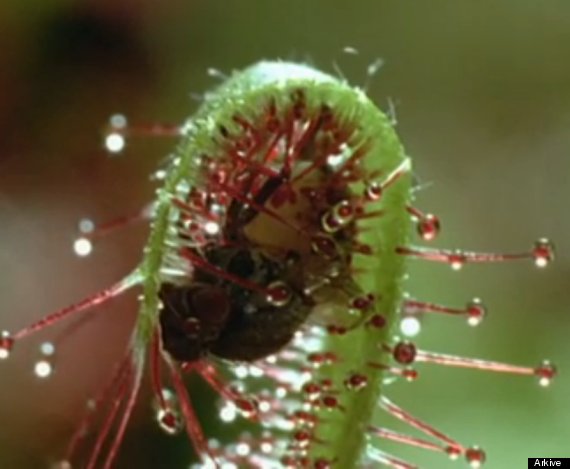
(213, 315)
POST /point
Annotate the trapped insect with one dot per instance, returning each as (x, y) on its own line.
(278, 245)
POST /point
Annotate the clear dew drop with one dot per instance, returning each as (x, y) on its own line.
(256, 371)
(335, 161)
(266, 447)
(475, 456)
(168, 417)
(545, 372)
(169, 421)
(118, 121)
(43, 369)
(410, 374)
(281, 392)
(86, 225)
(6, 344)
(343, 212)
(377, 321)
(453, 452)
(82, 247)
(241, 371)
(278, 294)
(543, 252)
(243, 449)
(329, 223)
(247, 407)
(329, 402)
(47, 349)
(264, 407)
(115, 142)
(404, 352)
(356, 382)
(410, 326)
(159, 175)
(457, 261)
(325, 246)
(428, 227)
(374, 191)
(212, 228)
(228, 412)
(337, 217)
(302, 438)
(476, 312)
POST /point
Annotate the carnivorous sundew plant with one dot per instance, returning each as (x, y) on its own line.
(274, 270)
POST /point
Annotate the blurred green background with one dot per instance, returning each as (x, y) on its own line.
(482, 96)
